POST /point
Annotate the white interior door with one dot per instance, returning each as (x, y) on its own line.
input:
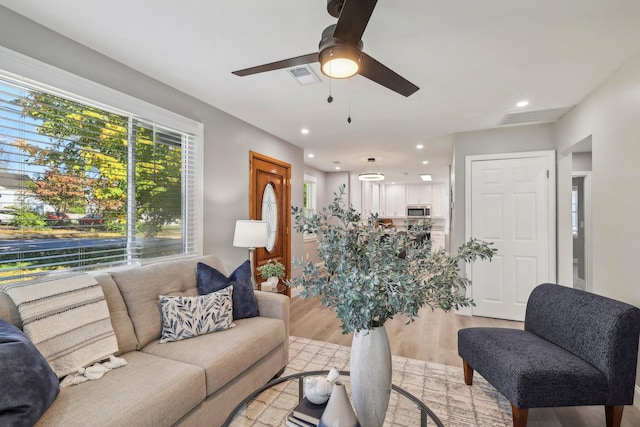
(511, 202)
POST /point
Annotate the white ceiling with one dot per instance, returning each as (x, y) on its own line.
(473, 60)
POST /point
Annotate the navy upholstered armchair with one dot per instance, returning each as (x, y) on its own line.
(577, 348)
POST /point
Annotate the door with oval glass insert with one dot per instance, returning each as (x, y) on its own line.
(270, 201)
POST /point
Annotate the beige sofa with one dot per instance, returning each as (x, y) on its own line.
(194, 382)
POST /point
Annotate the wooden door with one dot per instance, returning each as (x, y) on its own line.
(270, 201)
(512, 206)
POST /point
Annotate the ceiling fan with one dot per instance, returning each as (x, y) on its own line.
(340, 51)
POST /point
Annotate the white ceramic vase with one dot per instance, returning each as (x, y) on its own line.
(371, 375)
(338, 412)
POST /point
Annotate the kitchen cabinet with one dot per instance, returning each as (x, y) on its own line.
(439, 205)
(419, 194)
(395, 200)
(391, 200)
(437, 240)
(370, 198)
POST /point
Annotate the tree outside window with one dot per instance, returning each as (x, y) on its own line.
(108, 187)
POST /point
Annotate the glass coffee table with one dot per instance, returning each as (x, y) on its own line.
(271, 404)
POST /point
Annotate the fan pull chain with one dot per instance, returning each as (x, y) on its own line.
(349, 92)
(330, 98)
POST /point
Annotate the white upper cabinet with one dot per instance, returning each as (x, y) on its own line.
(419, 194)
(370, 198)
(391, 200)
(440, 201)
(395, 201)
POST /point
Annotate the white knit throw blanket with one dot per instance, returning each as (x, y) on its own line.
(93, 372)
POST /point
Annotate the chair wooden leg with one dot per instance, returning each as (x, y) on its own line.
(614, 415)
(520, 416)
(468, 373)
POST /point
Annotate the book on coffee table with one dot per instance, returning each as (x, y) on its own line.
(292, 421)
(309, 412)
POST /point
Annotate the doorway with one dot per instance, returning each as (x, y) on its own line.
(510, 201)
(270, 201)
(581, 224)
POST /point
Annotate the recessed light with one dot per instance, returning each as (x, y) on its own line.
(522, 103)
(425, 162)
(337, 168)
(310, 155)
(426, 177)
(304, 131)
(419, 146)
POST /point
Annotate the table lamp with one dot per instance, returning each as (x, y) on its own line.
(250, 234)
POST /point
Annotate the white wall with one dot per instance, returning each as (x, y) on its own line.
(610, 115)
(334, 180)
(581, 162)
(227, 140)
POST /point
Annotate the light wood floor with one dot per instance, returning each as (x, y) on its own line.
(433, 337)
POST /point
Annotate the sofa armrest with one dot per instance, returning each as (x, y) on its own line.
(277, 306)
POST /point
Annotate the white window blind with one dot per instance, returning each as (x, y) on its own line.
(85, 186)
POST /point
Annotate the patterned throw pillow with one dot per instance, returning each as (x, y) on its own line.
(188, 317)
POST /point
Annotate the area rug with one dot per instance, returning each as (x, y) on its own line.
(440, 387)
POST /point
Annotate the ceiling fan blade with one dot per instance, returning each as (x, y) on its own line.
(285, 63)
(354, 18)
(375, 71)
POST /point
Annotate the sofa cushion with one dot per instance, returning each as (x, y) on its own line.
(148, 391)
(28, 385)
(120, 319)
(530, 371)
(141, 289)
(226, 354)
(244, 299)
(67, 318)
(188, 317)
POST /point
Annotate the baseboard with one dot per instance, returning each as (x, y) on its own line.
(636, 397)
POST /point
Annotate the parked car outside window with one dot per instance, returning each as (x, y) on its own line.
(7, 216)
(90, 219)
(59, 217)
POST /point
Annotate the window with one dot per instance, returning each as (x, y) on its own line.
(309, 199)
(89, 186)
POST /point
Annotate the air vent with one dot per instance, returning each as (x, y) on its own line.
(303, 75)
(539, 116)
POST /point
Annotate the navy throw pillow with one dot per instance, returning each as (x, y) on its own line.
(28, 385)
(244, 300)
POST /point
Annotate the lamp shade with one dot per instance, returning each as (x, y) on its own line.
(250, 234)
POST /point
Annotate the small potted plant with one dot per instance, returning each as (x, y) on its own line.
(272, 272)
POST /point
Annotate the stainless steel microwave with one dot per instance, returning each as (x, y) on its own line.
(419, 210)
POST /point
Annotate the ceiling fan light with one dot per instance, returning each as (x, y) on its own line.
(340, 63)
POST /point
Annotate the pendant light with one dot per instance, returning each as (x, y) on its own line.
(372, 174)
